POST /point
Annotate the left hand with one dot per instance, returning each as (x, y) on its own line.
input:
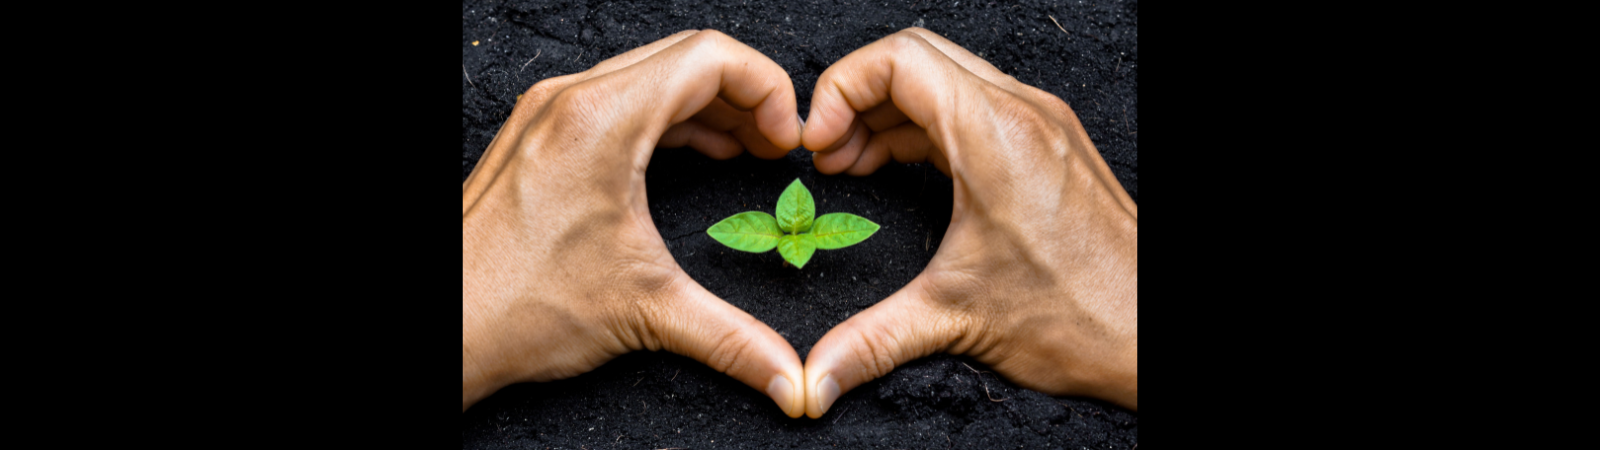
(562, 267)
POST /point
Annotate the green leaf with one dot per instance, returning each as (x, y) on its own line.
(751, 231)
(797, 249)
(839, 230)
(796, 208)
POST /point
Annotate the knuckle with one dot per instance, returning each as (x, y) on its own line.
(909, 43)
(712, 34)
(544, 89)
(1025, 117)
(1012, 83)
(581, 101)
(575, 93)
(876, 355)
(728, 352)
(706, 44)
(1051, 101)
(903, 41)
(711, 38)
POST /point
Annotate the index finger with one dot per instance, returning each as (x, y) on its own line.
(967, 60)
(903, 68)
(673, 84)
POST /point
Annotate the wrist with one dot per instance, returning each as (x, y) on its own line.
(1122, 384)
(483, 368)
(481, 374)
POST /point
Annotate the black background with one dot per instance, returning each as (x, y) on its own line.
(341, 285)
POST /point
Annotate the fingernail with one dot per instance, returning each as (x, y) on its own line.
(802, 122)
(827, 392)
(781, 391)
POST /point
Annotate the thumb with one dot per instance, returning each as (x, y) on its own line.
(702, 326)
(901, 328)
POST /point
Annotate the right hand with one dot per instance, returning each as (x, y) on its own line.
(1037, 275)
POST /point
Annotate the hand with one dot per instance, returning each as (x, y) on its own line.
(1037, 275)
(562, 268)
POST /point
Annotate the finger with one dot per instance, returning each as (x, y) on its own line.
(710, 141)
(978, 66)
(901, 328)
(1056, 105)
(757, 143)
(941, 162)
(741, 125)
(674, 84)
(630, 57)
(701, 326)
(983, 69)
(844, 152)
(883, 117)
(722, 116)
(536, 95)
(907, 143)
(903, 67)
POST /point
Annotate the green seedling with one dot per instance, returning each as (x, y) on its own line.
(793, 232)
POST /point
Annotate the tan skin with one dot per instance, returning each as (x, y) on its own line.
(563, 269)
(1037, 275)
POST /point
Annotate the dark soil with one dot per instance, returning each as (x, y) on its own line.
(660, 400)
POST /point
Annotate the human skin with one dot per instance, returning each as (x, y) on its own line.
(1037, 275)
(562, 268)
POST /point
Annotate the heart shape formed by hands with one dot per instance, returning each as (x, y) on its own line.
(563, 268)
